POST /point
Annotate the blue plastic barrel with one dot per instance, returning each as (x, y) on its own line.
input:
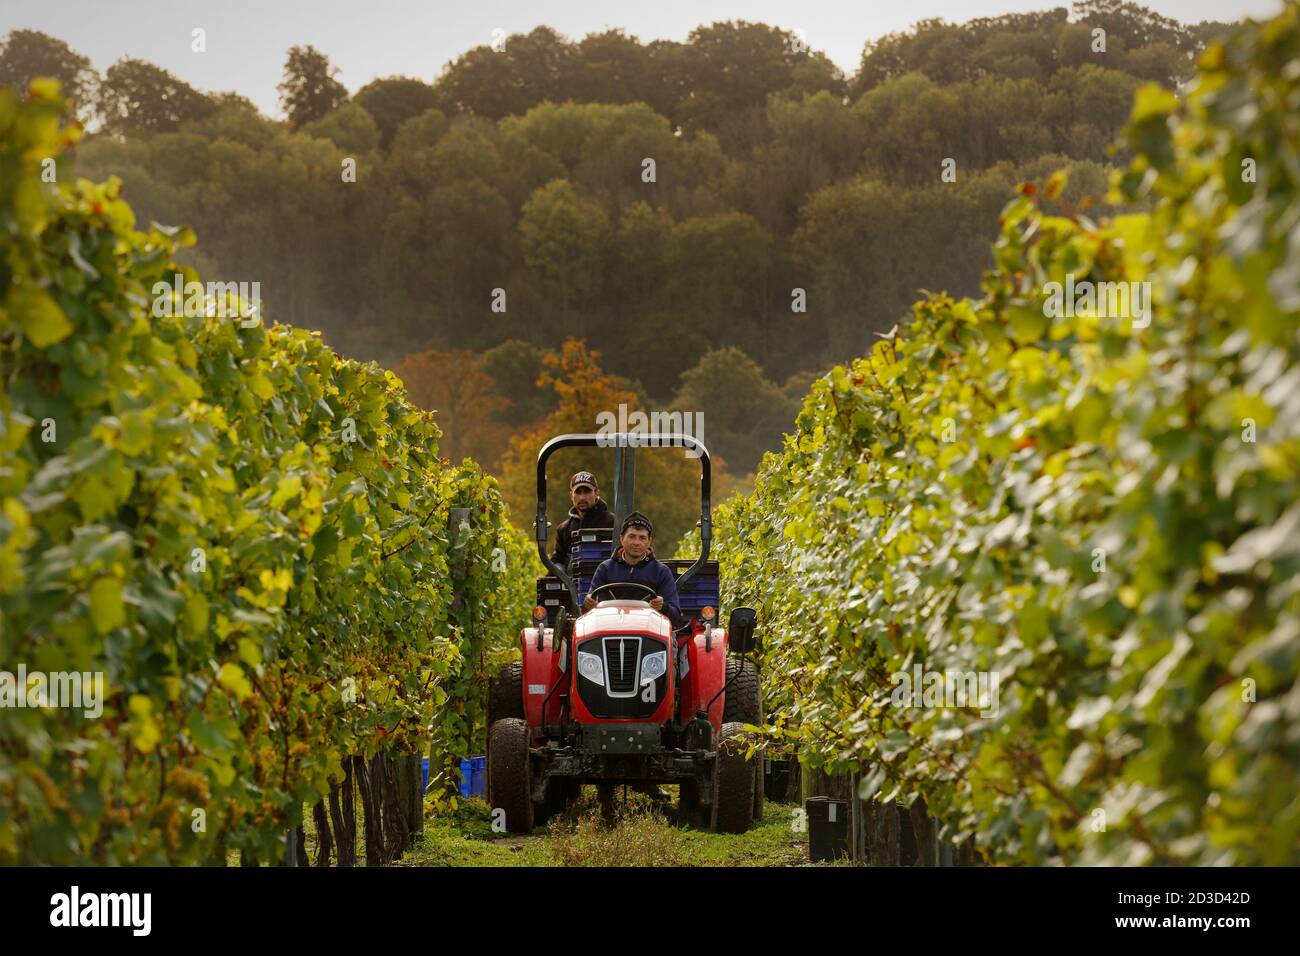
(478, 776)
(466, 776)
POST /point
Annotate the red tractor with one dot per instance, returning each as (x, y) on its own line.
(618, 695)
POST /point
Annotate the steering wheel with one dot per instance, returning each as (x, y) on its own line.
(625, 584)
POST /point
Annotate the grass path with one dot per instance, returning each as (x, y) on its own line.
(645, 834)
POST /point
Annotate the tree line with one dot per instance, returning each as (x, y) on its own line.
(729, 203)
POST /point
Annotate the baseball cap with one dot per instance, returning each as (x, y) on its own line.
(582, 478)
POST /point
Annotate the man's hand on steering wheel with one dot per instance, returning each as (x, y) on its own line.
(655, 601)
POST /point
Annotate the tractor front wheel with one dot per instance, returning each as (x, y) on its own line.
(509, 777)
(733, 783)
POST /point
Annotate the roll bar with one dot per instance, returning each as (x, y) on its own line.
(629, 440)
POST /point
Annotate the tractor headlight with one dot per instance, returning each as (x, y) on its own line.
(654, 665)
(590, 667)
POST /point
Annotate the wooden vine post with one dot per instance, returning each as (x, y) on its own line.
(443, 766)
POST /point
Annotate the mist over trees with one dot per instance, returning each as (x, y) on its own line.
(719, 219)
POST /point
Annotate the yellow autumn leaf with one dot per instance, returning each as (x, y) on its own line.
(106, 608)
(145, 733)
(232, 678)
(261, 386)
(39, 316)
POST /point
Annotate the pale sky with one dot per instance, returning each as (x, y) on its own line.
(247, 39)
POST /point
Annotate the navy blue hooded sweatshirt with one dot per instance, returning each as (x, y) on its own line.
(649, 571)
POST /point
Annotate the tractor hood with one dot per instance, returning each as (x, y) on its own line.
(620, 617)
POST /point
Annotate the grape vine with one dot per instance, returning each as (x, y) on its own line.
(1102, 513)
(246, 533)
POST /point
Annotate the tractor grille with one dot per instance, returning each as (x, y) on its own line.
(621, 694)
(622, 664)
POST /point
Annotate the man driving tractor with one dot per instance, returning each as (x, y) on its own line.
(634, 562)
(600, 698)
(589, 511)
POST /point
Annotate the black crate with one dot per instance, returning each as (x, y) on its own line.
(549, 586)
(591, 544)
(551, 595)
(710, 569)
(581, 572)
(590, 552)
(776, 778)
(552, 610)
(828, 829)
(701, 590)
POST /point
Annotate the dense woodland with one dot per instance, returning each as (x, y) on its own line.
(523, 169)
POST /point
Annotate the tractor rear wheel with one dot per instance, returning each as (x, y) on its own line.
(743, 703)
(509, 777)
(506, 693)
(733, 783)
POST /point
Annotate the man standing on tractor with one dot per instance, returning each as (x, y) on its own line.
(634, 561)
(589, 511)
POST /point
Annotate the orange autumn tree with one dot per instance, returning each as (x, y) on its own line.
(667, 481)
(455, 385)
